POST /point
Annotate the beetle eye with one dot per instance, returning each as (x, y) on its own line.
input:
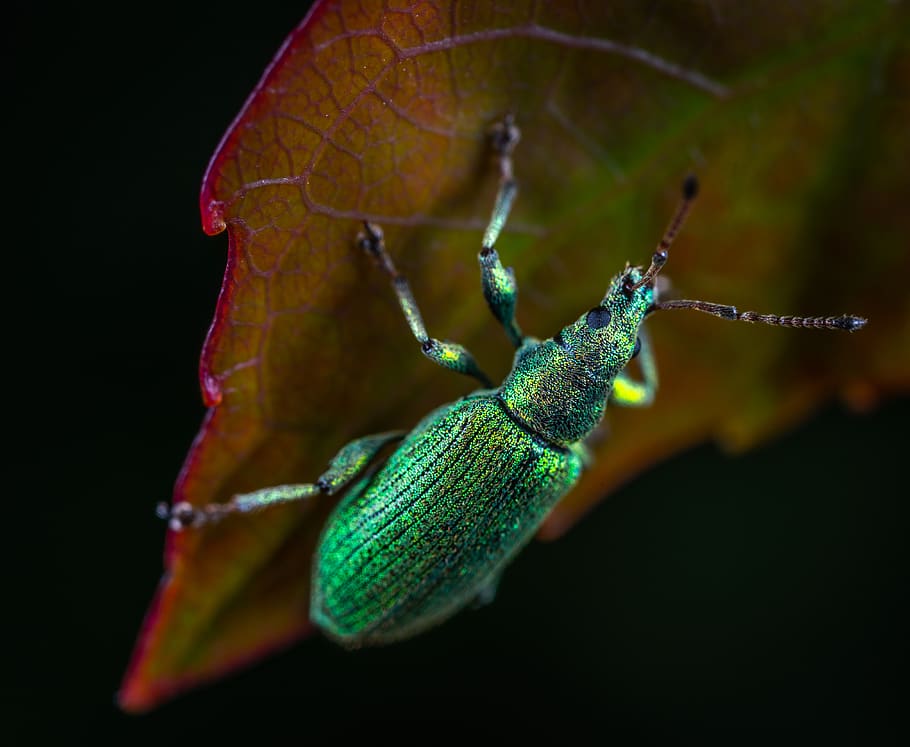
(637, 349)
(598, 317)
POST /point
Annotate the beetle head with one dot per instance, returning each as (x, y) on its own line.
(560, 387)
(604, 338)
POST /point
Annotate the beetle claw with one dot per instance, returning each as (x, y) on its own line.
(180, 516)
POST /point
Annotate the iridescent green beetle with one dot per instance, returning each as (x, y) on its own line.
(432, 528)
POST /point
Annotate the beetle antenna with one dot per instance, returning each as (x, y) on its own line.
(846, 322)
(659, 258)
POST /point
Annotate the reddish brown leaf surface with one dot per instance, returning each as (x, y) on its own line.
(794, 117)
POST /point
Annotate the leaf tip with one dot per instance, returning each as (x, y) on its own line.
(132, 700)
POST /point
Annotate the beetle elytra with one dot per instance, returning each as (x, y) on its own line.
(431, 529)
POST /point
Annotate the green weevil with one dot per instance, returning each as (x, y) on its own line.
(431, 529)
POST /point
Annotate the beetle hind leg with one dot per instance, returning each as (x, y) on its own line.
(486, 594)
(349, 462)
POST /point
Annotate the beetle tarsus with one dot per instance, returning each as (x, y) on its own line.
(179, 516)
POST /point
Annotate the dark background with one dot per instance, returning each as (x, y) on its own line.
(754, 594)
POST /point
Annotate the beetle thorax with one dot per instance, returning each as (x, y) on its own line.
(556, 394)
(559, 388)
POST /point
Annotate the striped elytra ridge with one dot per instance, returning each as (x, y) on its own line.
(434, 527)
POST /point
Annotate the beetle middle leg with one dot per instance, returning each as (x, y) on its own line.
(349, 462)
(447, 354)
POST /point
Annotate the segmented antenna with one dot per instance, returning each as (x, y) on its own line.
(846, 322)
(659, 258)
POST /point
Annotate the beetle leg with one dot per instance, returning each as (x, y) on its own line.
(487, 592)
(447, 354)
(631, 393)
(499, 287)
(349, 462)
(581, 450)
(500, 290)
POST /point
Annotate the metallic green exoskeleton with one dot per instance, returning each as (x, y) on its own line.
(432, 528)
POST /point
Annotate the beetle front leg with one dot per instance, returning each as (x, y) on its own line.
(631, 393)
(499, 287)
(349, 462)
(581, 450)
(447, 354)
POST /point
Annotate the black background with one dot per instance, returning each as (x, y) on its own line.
(755, 594)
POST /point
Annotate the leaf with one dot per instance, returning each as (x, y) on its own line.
(795, 118)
